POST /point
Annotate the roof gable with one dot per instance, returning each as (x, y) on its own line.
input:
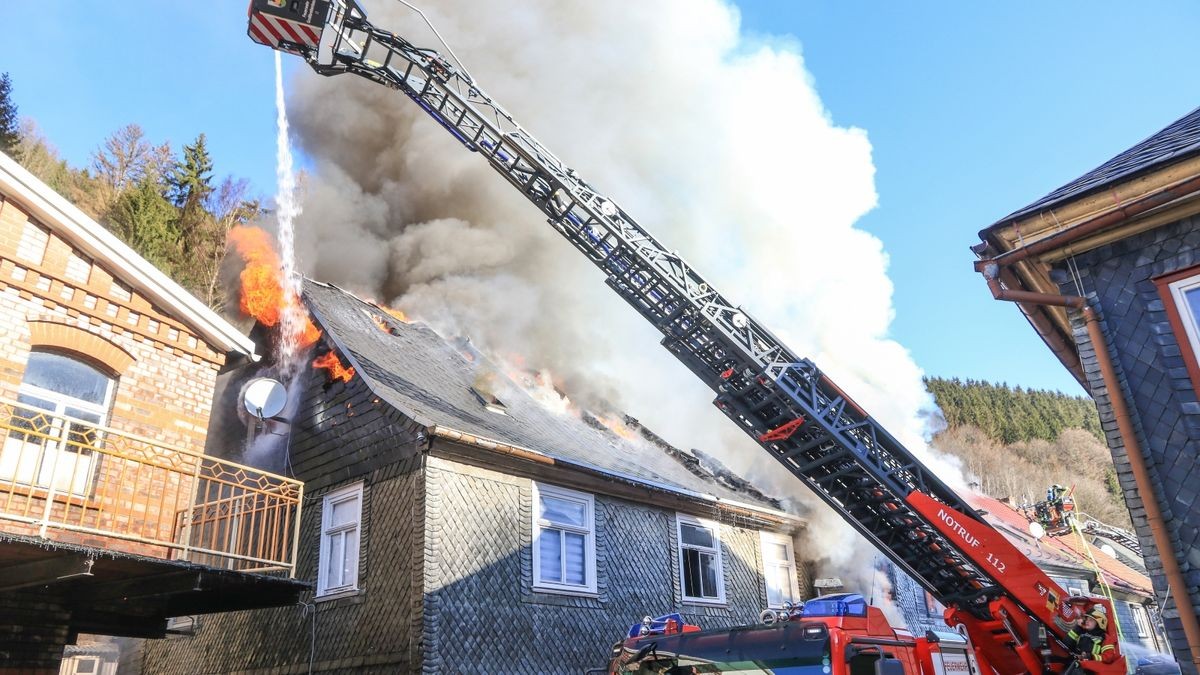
(53, 211)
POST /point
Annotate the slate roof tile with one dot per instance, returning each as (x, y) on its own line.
(1177, 141)
(430, 380)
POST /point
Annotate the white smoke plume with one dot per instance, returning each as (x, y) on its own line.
(716, 142)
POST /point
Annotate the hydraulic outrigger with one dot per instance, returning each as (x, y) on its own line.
(1016, 617)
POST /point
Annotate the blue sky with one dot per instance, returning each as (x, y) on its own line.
(973, 111)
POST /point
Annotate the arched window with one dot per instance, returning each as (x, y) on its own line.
(42, 448)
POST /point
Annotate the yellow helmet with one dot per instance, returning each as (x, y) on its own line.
(1100, 616)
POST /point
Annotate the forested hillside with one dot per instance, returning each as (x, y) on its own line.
(168, 206)
(1010, 414)
(1017, 442)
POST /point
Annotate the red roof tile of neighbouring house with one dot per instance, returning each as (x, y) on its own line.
(1062, 551)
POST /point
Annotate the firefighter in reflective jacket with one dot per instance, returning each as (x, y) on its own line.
(1086, 639)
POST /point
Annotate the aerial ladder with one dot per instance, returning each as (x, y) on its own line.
(1016, 617)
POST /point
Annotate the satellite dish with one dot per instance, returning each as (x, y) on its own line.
(1108, 550)
(1037, 530)
(264, 397)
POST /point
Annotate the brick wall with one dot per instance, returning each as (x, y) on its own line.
(481, 614)
(166, 372)
(53, 297)
(1116, 278)
(33, 632)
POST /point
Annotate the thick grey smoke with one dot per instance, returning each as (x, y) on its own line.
(717, 143)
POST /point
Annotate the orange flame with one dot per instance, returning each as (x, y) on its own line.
(330, 361)
(617, 426)
(262, 294)
(396, 314)
(381, 324)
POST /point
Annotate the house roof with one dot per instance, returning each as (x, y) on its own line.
(430, 380)
(1062, 551)
(53, 211)
(1178, 140)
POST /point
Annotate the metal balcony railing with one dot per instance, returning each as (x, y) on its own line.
(69, 480)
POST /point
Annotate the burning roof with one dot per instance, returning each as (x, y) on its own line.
(437, 382)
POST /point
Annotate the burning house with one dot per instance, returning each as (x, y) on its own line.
(112, 518)
(453, 523)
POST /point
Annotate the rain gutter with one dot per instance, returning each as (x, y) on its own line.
(484, 443)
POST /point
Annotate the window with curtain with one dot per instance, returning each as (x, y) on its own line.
(701, 576)
(54, 428)
(564, 548)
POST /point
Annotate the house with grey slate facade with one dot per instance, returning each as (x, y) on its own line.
(1107, 270)
(454, 524)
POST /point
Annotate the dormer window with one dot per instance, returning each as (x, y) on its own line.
(490, 402)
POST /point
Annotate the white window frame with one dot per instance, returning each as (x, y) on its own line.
(354, 491)
(1191, 322)
(56, 457)
(1141, 619)
(589, 541)
(766, 540)
(75, 661)
(680, 520)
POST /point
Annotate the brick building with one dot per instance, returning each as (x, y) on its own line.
(1106, 269)
(454, 524)
(107, 371)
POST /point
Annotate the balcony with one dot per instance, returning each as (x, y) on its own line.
(71, 482)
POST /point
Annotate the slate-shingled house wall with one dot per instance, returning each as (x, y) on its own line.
(1148, 360)
(446, 565)
(1119, 236)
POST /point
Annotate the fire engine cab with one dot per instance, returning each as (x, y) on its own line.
(830, 635)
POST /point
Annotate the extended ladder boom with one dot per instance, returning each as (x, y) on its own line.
(783, 401)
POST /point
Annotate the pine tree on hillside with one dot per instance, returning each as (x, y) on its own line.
(10, 129)
(1009, 414)
(190, 182)
(147, 221)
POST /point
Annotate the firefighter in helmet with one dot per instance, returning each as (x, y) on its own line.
(1087, 638)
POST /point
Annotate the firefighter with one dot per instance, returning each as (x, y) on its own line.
(1086, 639)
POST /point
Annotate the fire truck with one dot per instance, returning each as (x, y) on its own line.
(1009, 616)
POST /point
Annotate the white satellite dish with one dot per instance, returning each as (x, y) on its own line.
(1037, 530)
(1108, 550)
(263, 397)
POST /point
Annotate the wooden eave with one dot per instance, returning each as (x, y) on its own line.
(1033, 274)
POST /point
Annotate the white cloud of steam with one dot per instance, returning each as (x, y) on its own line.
(717, 144)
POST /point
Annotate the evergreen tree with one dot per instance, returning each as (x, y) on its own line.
(147, 221)
(189, 188)
(190, 182)
(10, 130)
